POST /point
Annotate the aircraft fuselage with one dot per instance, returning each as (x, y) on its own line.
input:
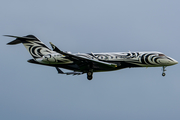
(122, 59)
(88, 63)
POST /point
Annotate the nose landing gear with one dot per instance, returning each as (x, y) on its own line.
(163, 74)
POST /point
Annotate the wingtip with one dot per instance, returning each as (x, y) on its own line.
(7, 35)
(51, 44)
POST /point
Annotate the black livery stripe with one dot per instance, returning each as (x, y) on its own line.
(142, 59)
(152, 58)
(155, 60)
(36, 48)
(146, 59)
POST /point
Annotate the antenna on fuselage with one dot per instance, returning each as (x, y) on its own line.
(130, 53)
(94, 55)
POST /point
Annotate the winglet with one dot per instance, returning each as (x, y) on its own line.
(54, 47)
(68, 73)
(59, 70)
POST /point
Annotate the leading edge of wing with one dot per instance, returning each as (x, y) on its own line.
(74, 57)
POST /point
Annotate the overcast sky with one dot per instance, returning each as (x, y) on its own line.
(34, 92)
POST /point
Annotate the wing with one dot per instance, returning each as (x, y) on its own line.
(68, 73)
(84, 59)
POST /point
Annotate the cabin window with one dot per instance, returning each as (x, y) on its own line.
(161, 55)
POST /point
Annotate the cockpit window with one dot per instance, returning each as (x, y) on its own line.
(161, 55)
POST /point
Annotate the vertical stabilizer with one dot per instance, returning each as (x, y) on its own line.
(35, 47)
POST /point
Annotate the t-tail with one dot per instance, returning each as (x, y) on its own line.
(35, 47)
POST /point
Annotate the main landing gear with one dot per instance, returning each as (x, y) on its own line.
(163, 74)
(90, 75)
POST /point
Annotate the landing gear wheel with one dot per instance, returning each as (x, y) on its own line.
(163, 74)
(89, 75)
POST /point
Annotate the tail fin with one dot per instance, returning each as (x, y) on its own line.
(35, 47)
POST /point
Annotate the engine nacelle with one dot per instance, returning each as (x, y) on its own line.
(54, 59)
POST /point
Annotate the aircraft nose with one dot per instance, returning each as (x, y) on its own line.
(168, 61)
(175, 62)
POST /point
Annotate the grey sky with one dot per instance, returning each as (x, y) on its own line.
(36, 92)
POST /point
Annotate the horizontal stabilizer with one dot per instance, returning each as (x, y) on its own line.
(19, 39)
(14, 42)
(30, 37)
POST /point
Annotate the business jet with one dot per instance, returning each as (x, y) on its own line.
(89, 63)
